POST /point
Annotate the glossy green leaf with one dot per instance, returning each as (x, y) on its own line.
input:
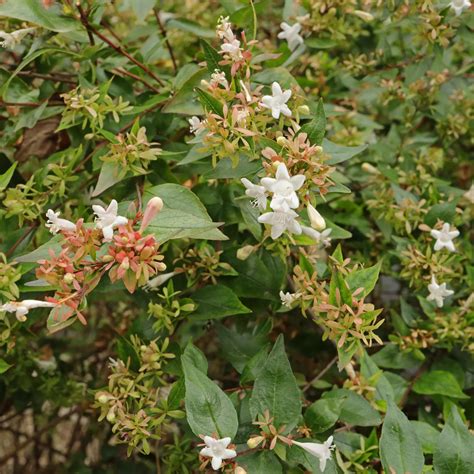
(276, 390)
(400, 450)
(208, 409)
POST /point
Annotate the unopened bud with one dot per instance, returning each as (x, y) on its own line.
(103, 398)
(204, 83)
(111, 416)
(107, 258)
(125, 264)
(68, 278)
(366, 16)
(245, 252)
(316, 219)
(254, 441)
(368, 168)
(282, 141)
(240, 470)
(318, 149)
(154, 206)
(303, 109)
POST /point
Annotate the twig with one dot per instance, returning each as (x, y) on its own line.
(321, 374)
(118, 48)
(85, 22)
(165, 36)
(137, 78)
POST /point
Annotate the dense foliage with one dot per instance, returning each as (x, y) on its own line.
(236, 235)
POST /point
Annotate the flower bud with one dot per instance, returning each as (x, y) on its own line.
(153, 207)
(68, 278)
(303, 109)
(125, 263)
(245, 252)
(316, 219)
(366, 16)
(281, 141)
(318, 149)
(254, 441)
(368, 168)
(103, 397)
(240, 470)
(111, 416)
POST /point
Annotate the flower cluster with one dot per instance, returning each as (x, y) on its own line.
(284, 200)
(87, 252)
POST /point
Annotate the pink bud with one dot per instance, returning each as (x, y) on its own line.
(153, 207)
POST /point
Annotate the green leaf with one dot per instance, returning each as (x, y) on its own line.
(127, 353)
(454, 453)
(239, 347)
(355, 410)
(34, 12)
(183, 215)
(400, 449)
(276, 390)
(320, 43)
(368, 368)
(317, 127)
(209, 102)
(340, 153)
(260, 276)
(212, 56)
(264, 462)
(427, 435)
(42, 251)
(216, 302)
(7, 176)
(439, 382)
(110, 174)
(444, 211)
(4, 366)
(365, 278)
(323, 414)
(208, 409)
(190, 27)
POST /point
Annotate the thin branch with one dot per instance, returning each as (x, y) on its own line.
(321, 374)
(85, 22)
(165, 36)
(118, 48)
(137, 78)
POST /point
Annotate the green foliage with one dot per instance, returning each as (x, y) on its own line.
(216, 224)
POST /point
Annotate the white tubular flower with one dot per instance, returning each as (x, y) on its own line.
(320, 450)
(218, 78)
(291, 35)
(55, 223)
(224, 29)
(257, 192)
(287, 299)
(319, 237)
(459, 6)
(232, 49)
(107, 219)
(444, 238)
(438, 292)
(316, 219)
(280, 222)
(196, 125)
(284, 188)
(217, 450)
(154, 283)
(277, 101)
(11, 40)
(21, 308)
